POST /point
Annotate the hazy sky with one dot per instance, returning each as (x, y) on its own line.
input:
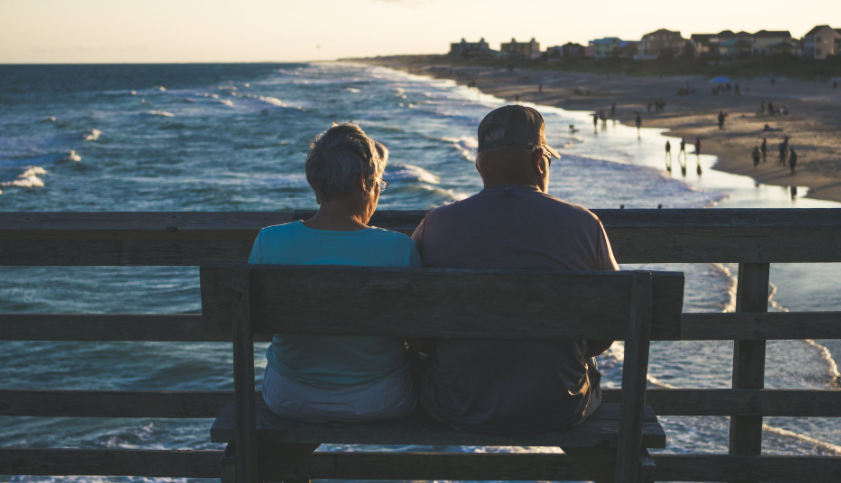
(73, 31)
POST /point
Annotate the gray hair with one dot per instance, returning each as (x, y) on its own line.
(339, 156)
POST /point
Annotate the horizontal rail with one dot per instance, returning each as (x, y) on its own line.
(191, 327)
(208, 404)
(190, 239)
(418, 466)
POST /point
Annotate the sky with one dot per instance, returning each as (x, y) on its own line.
(123, 31)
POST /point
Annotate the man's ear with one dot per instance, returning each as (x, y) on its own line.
(537, 160)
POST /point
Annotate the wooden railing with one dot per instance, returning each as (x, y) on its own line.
(753, 238)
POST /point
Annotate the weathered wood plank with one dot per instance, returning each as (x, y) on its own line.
(87, 462)
(749, 360)
(191, 327)
(761, 326)
(417, 466)
(634, 370)
(208, 404)
(598, 431)
(247, 468)
(189, 239)
(441, 302)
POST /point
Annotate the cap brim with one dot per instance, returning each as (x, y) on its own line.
(551, 151)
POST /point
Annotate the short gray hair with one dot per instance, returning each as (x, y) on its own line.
(338, 156)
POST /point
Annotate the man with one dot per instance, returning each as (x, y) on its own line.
(513, 386)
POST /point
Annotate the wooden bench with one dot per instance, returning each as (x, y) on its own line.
(265, 300)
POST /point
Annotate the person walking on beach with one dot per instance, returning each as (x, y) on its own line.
(638, 122)
(683, 152)
(721, 117)
(771, 108)
(698, 155)
(756, 156)
(792, 160)
(595, 121)
(613, 111)
(504, 385)
(764, 149)
(783, 151)
(668, 156)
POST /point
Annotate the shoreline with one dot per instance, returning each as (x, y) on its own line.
(813, 122)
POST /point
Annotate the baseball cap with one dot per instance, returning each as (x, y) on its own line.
(514, 125)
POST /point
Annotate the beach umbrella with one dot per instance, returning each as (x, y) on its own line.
(721, 80)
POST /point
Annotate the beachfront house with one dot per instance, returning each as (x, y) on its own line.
(470, 49)
(524, 50)
(569, 50)
(821, 42)
(771, 42)
(723, 44)
(661, 43)
(609, 47)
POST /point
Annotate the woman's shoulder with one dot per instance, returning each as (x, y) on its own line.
(390, 237)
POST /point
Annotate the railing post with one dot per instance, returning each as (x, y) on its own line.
(749, 358)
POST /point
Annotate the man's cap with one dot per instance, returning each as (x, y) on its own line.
(514, 126)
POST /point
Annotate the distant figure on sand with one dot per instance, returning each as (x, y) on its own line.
(595, 121)
(516, 98)
(613, 111)
(668, 156)
(697, 146)
(721, 117)
(762, 108)
(756, 156)
(792, 160)
(783, 151)
(764, 149)
(771, 108)
(638, 122)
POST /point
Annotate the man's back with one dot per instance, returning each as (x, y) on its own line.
(512, 386)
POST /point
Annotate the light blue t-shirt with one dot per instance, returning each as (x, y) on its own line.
(334, 361)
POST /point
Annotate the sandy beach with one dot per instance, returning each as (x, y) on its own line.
(813, 122)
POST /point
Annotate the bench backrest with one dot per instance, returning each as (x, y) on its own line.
(516, 304)
(507, 304)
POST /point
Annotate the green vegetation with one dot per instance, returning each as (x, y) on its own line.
(791, 67)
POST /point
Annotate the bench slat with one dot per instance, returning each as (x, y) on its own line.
(442, 303)
(600, 430)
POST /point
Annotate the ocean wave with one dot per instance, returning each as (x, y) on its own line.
(93, 135)
(227, 88)
(409, 172)
(354, 90)
(71, 156)
(467, 145)
(28, 179)
(48, 119)
(160, 88)
(274, 101)
(160, 113)
(206, 94)
(226, 102)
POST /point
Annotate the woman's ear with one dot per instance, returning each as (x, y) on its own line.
(537, 160)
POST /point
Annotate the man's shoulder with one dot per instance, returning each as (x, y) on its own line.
(559, 206)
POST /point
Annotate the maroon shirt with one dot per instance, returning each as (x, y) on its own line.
(505, 385)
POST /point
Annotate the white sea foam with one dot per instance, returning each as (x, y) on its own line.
(160, 113)
(48, 119)
(351, 89)
(71, 156)
(161, 88)
(133, 93)
(408, 172)
(467, 145)
(399, 92)
(274, 101)
(93, 135)
(246, 85)
(227, 102)
(28, 179)
(227, 88)
(205, 94)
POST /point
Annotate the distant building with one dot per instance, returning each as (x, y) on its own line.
(723, 44)
(526, 50)
(661, 43)
(567, 51)
(470, 49)
(821, 42)
(765, 39)
(605, 47)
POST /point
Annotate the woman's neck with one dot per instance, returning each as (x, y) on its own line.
(335, 216)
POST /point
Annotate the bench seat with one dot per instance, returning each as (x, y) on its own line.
(601, 430)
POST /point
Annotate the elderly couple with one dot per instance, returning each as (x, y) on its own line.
(494, 386)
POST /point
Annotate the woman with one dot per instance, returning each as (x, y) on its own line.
(324, 378)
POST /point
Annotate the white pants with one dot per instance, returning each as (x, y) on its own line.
(393, 397)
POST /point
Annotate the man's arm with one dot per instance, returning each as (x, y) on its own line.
(604, 261)
(418, 343)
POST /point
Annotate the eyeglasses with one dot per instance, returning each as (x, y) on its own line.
(383, 185)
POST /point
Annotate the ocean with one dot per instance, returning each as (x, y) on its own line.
(233, 137)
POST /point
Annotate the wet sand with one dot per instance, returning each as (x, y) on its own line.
(813, 123)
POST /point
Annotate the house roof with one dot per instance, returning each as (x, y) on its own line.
(772, 33)
(662, 31)
(816, 30)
